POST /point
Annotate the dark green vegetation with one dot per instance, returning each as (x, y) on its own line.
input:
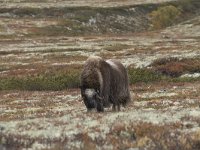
(167, 69)
(144, 75)
(117, 47)
(53, 81)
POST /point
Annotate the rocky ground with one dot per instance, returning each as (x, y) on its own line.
(161, 115)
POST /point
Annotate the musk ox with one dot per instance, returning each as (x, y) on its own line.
(104, 83)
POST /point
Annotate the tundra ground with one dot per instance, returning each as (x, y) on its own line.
(163, 114)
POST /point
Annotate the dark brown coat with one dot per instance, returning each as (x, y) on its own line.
(107, 80)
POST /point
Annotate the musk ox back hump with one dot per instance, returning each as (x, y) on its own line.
(119, 93)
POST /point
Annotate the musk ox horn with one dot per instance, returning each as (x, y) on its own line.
(97, 95)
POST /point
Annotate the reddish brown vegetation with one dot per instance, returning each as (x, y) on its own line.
(175, 67)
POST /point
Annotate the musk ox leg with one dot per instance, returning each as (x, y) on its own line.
(114, 107)
(118, 106)
(100, 107)
(125, 101)
(99, 103)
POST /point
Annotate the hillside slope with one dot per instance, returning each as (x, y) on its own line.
(31, 21)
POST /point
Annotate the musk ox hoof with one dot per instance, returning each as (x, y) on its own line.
(114, 107)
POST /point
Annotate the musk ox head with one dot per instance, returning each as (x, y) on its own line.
(92, 99)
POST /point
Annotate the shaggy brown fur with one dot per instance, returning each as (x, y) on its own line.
(109, 80)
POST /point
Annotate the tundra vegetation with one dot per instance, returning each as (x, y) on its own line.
(42, 53)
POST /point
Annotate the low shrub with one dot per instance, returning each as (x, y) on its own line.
(55, 81)
(175, 67)
(185, 79)
(164, 16)
(143, 75)
(42, 82)
(117, 47)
